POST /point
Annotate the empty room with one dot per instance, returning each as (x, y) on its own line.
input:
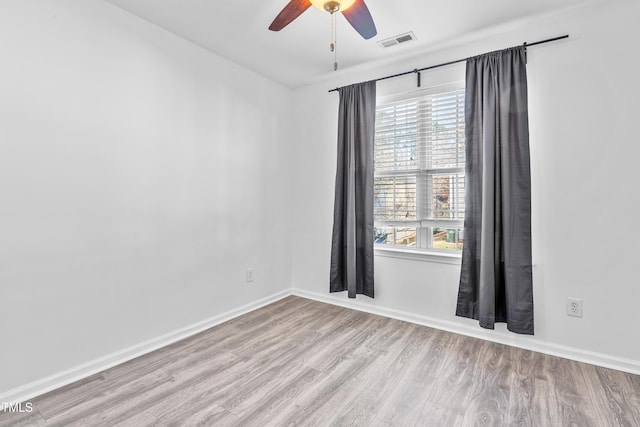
(319, 213)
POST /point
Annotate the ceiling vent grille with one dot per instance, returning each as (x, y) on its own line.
(399, 39)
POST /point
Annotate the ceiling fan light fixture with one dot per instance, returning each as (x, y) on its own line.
(332, 6)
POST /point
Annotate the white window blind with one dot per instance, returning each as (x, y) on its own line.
(419, 171)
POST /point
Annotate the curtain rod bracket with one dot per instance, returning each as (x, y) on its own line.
(418, 74)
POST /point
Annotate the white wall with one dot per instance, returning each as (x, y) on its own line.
(139, 177)
(583, 114)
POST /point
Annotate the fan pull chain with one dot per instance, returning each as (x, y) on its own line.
(334, 42)
(332, 46)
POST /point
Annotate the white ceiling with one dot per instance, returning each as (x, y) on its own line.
(299, 54)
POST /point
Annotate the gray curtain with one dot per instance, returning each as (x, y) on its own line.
(352, 241)
(496, 279)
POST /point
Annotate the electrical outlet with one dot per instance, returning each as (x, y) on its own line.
(249, 275)
(574, 307)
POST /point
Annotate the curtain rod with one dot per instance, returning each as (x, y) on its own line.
(418, 70)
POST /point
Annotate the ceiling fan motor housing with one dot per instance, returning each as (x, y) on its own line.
(332, 6)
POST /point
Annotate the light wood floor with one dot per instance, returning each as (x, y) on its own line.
(300, 362)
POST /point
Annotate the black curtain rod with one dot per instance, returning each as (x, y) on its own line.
(418, 70)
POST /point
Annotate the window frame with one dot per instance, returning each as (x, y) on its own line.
(424, 226)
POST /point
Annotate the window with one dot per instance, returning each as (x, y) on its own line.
(419, 183)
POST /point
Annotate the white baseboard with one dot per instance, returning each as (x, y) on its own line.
(525, 342)
(44, 385)
(52, 382)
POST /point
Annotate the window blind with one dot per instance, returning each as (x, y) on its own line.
(419, 158)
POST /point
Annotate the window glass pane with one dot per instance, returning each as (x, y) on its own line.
(396, 136)
(447, 196)
(406, 236)
(445, 130)
(446, 238)
(394, 198)
(396, 236)
(383, 236)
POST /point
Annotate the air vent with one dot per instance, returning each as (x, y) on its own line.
(399, 39)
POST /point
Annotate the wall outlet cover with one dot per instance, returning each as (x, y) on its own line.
(574, 307)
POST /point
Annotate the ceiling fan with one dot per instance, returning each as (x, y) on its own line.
(355, 11)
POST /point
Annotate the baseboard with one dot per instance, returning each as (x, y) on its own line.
(528, 343)
(44, 385)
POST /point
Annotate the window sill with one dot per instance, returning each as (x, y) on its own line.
(415, 255)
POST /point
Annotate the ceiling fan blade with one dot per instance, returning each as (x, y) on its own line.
(360, 19)
(290, 12)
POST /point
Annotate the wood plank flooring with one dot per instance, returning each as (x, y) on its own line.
(301, 362)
